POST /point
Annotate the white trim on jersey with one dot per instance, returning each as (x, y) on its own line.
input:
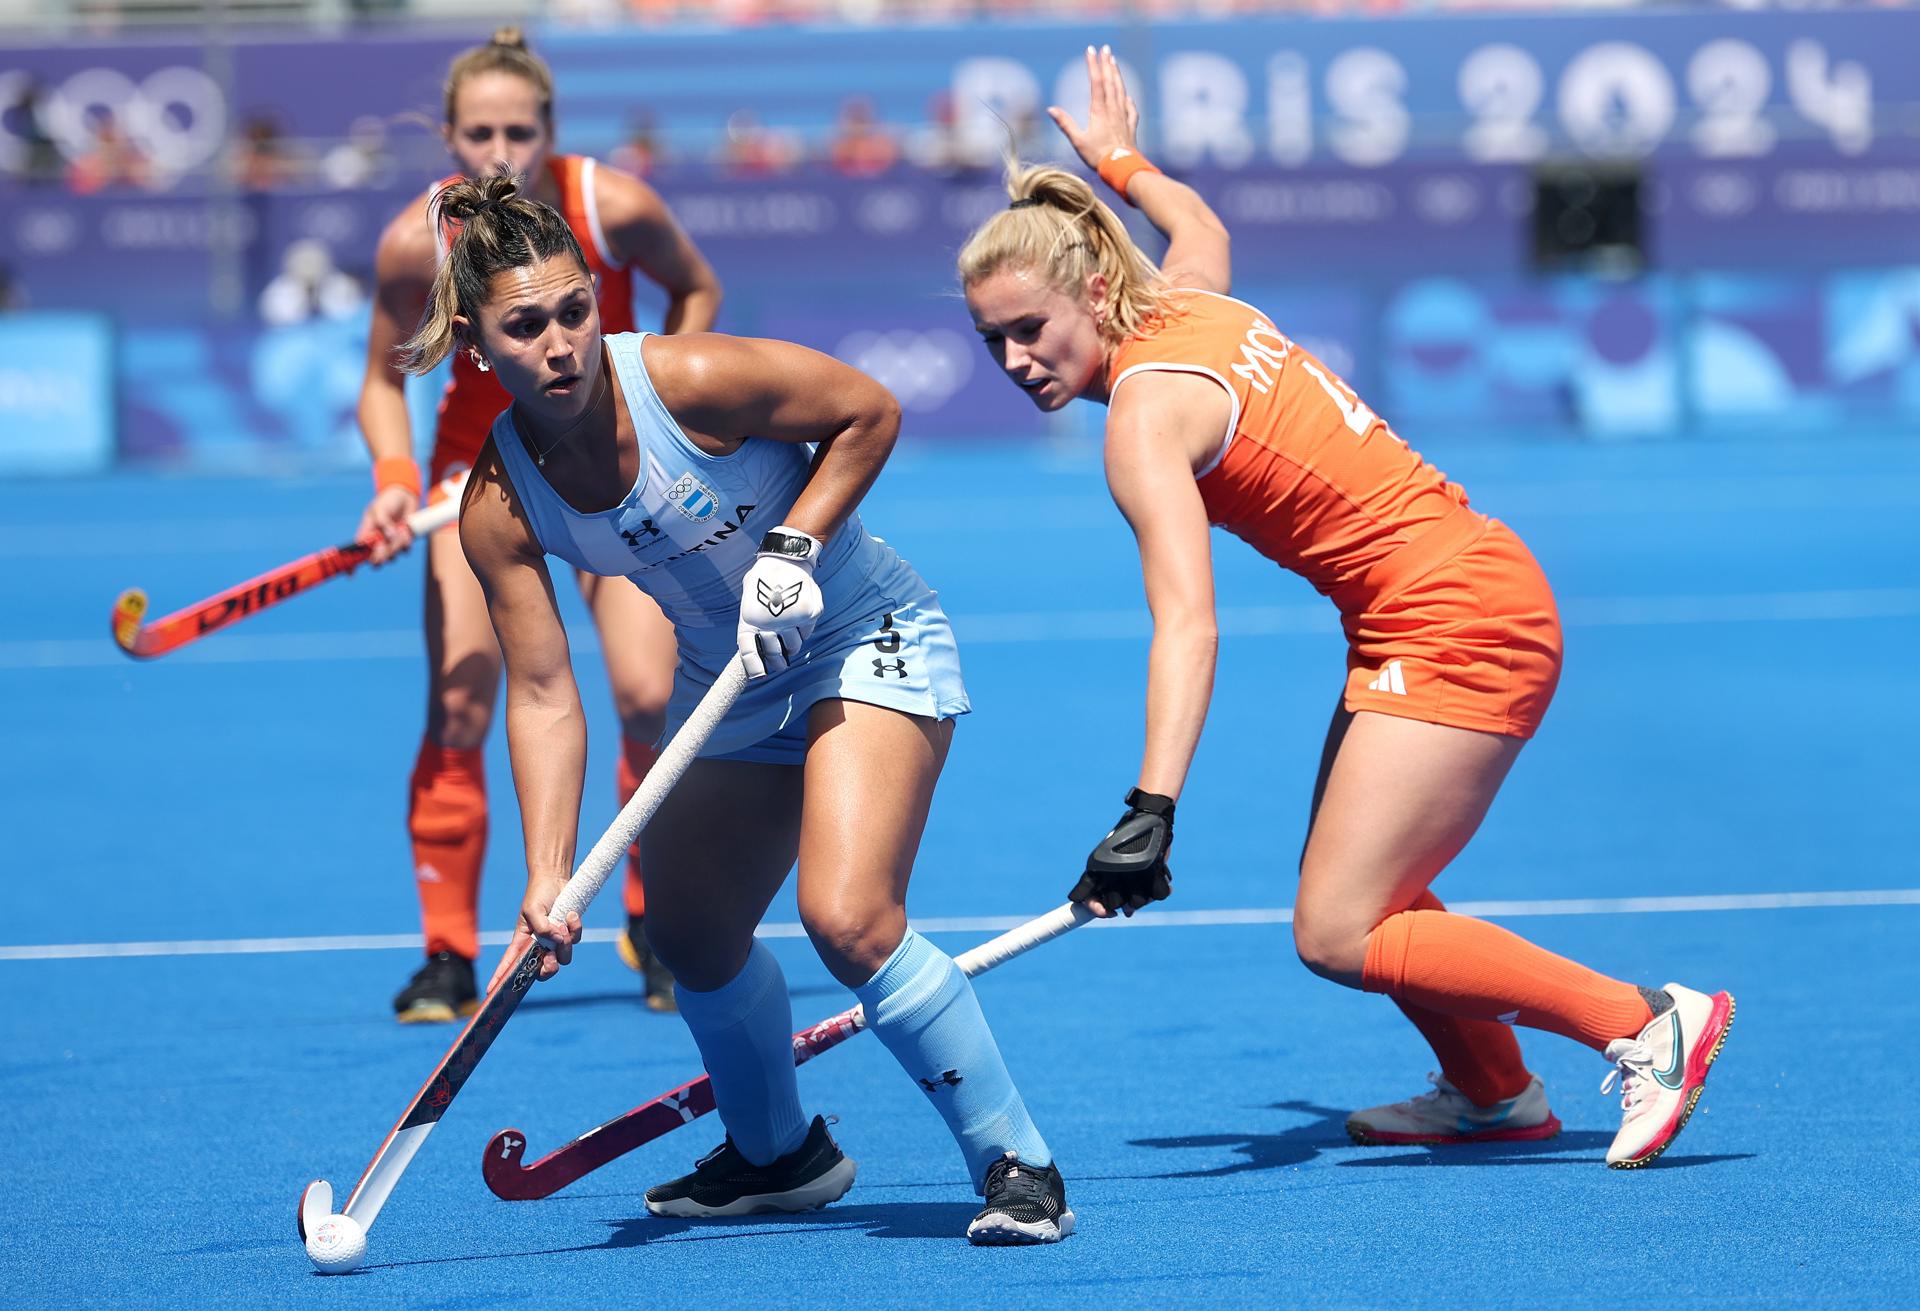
(590, 203)
(1233, 399)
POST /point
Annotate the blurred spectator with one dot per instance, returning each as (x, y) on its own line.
(861, 148)
(362, 159)
(641, 153)
(938, 146)
(110, 160)
(29, 153)
(11, 297)
(309, 287)
(754, 150)
(261, 160)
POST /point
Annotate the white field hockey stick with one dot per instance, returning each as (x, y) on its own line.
(144, 641)
(515, 1182)
(444, 1084)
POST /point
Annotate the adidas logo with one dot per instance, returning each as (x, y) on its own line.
(1390, 679)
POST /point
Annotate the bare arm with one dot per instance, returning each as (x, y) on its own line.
(1199, 251)
(403, 275)
(1157, 423)
(546, 729)
(732, 388)
(641, 231)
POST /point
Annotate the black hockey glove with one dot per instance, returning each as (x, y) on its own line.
(1129, 867)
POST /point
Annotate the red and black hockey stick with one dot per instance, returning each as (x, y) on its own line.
(444, 1084)
(170, 633)
(515, 1182)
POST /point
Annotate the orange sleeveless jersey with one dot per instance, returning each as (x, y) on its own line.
(1448, 619)
(473, 400)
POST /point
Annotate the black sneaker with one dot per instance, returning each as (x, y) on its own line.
(639, 958)
(1025, 1204)
(440, 991)
(727, 1183)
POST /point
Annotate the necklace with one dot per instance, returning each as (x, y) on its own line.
(540, 454)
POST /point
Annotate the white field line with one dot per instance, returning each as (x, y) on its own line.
(1153, 919)
(1035, 626)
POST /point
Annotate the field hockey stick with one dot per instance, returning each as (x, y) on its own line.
(511, 1180)
(170, 633)
(444, 1084)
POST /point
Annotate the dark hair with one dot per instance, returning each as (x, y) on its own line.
(507, 52)
(492, 228)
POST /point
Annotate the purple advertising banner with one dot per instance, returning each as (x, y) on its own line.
(1377, 177)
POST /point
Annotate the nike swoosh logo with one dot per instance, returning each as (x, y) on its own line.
(1670, 1077)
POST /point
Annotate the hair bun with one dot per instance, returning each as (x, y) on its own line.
(509, 35)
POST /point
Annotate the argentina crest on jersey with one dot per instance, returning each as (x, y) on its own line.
(693, 498)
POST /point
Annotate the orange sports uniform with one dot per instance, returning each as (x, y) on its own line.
(447, 810)
(1448, 617)
(1448, 620)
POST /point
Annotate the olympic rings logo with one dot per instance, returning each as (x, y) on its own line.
(922, 369)
(176, 116)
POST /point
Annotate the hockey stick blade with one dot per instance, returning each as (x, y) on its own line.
(504, 1166)
(145, 641)
(409, 1134)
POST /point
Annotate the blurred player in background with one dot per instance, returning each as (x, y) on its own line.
(1453, 637)
(664, 460)
(499, 110)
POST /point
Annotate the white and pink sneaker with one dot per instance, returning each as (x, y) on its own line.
(1663, 1072)
(1446, 1116)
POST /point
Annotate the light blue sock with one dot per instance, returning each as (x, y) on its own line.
(744, 1030)
(922, 1007)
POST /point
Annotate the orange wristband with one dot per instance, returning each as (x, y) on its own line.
(1119, 166)
(396, 471)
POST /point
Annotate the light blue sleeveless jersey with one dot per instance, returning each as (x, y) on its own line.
(687, 532)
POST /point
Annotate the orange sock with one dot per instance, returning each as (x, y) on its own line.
(636, 758)
(1469, 968)
(1479, 1057)
(447, 816)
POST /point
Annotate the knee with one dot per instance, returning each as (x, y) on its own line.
(693, 959)
(641, 722)
(853, 942)
(1332, 947)
(459, 718)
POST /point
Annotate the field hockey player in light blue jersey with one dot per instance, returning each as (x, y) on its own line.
(666, 459)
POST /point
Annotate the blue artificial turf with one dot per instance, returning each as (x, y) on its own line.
(1192, 1080)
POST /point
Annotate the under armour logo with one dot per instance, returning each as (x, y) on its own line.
(950, 1079)
(776, 599)
(881, 668)
(633, 535)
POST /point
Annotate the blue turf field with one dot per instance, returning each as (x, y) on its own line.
(1736, 722)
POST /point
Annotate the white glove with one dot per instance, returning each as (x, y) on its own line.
(779, 601)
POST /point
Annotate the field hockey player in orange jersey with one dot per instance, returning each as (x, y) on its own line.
(1453, 641)
(499, 110)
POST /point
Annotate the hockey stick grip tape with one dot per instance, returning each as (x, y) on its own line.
(432, 518)
(1015, 942)
(592, 873)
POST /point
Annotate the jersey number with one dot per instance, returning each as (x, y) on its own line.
(1359, 418)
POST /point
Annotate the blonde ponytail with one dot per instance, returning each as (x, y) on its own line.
(1058, 227)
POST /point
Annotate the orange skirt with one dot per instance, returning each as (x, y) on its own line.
(1472, 643)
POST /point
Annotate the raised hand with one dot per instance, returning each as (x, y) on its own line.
(1112, 117)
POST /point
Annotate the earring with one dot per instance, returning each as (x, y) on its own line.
(480, 362)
